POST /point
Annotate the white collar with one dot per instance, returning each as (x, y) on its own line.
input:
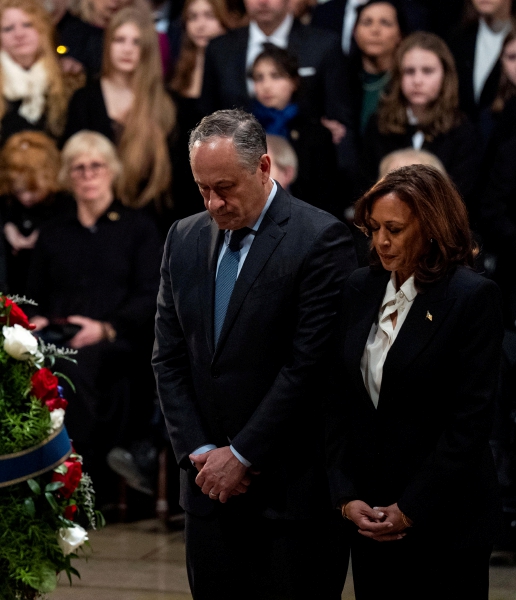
(407, 289)
(279, 37)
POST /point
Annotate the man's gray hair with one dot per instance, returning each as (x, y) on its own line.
(247, 134)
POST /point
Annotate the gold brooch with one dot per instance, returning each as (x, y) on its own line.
(428, 315)
(113, 216)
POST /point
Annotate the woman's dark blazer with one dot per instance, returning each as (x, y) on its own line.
(426, 445)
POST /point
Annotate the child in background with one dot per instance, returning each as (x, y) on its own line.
(276, 86)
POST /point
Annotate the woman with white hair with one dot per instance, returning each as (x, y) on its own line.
(95, 276)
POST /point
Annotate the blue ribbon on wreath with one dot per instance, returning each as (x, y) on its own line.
(29, 463)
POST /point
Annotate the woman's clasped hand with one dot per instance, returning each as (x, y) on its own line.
(383, 524)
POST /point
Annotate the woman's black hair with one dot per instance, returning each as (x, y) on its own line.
(400, 15)
(285, 62)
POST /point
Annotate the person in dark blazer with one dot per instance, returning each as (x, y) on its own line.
(421, 110)
(331, 15)
(94, 273)
(226, 84)
(485, 28)
(418, 349)
(238, 373)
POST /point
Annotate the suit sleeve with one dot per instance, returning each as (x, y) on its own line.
(338, 449)
(461, 446)
(172, 370)
(338, 104)
(329, 261)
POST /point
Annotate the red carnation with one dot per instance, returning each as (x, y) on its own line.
(71, 478)
(70, 512)
(44, 385)
(56, 403)
(16, 315)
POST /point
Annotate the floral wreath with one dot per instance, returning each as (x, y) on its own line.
(44, 492)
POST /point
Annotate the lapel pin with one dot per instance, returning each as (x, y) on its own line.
(428, 315)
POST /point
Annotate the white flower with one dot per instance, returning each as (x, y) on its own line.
(19, 342)
(56, 419)
(70, 538)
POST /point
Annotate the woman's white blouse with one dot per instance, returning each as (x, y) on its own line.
(382, 334)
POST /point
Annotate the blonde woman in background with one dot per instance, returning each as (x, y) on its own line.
(130, 106)
(33, 91)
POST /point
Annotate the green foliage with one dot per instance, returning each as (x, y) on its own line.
(24, 420)
(33, 512)
(29, 553)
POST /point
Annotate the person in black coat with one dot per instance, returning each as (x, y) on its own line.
(80, 32)
(276, 106)
(130, 106)
(331, 15)
(479, 70)
(31, 196)
(94, 274)
(33, 94)
(239, 386)
(228, 58)
(415, 372)
(421, 111)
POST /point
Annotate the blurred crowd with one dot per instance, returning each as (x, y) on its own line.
(97, 99)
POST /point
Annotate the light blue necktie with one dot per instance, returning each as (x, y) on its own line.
(226, 278)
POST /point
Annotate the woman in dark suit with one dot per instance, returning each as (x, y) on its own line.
(418, 351)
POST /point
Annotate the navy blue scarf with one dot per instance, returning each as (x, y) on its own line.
(274, 121)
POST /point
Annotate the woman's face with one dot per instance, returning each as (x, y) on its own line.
(396, 235)
(91, 177)
(201, 23)
(271, 87)
(377, 32)
(19, 37)
(105, 9)
(26, 196)
(422, 77)
(126, 48)
(509, 61)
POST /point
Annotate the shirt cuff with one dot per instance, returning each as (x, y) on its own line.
(240, 457)
(203, 449)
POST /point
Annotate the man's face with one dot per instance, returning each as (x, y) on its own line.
(267, 13)
(492, 8)
(233, 195)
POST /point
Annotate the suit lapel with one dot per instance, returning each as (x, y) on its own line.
(423, 321)
(265, 242)
(210, 238)
(365, 312)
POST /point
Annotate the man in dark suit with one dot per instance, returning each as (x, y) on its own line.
(320, 59)
(476, 47)
(237, 368)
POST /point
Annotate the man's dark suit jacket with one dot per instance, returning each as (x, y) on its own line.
(462, 45)
(323, 93)
(426, 445)
(259, 387)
